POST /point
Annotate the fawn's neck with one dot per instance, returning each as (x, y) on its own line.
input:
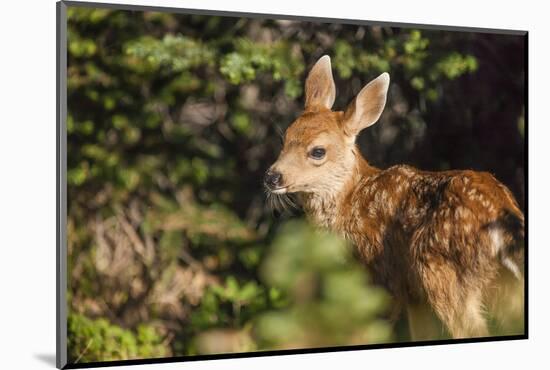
(329, 208)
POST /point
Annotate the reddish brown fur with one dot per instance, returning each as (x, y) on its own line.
(439, 238)
(424, 235)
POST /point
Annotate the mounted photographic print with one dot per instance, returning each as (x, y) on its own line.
(236, 184)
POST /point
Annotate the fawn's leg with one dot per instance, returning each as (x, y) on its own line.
(506, 302)
(423, 322)
(468, 320)
(458, 303)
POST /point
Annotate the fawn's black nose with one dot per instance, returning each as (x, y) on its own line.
(273, 179)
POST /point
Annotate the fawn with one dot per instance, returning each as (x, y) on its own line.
(437, 241)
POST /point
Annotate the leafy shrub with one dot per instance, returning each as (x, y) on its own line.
(99, 340)
(331, 300)
(172, 122)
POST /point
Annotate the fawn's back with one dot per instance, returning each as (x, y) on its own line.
(404, 221)
(434, 238)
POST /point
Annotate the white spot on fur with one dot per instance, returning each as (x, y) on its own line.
(497, 241)
(459, 212)
(510, 265)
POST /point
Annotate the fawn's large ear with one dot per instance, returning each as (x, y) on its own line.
(367, 107)
(320, 89)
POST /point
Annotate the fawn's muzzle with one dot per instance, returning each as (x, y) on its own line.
(273, 179)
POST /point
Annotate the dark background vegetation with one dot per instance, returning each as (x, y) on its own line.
(173, 120)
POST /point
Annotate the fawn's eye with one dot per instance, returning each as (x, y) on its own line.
(317, 153)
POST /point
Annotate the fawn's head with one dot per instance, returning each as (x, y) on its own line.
(318, 153)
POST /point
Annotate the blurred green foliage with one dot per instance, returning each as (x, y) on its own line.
(98, 340)
(322, 282)
(172, 121)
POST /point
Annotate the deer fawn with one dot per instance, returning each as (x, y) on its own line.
(437, 241)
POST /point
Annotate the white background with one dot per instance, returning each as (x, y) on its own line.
(27, 182)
